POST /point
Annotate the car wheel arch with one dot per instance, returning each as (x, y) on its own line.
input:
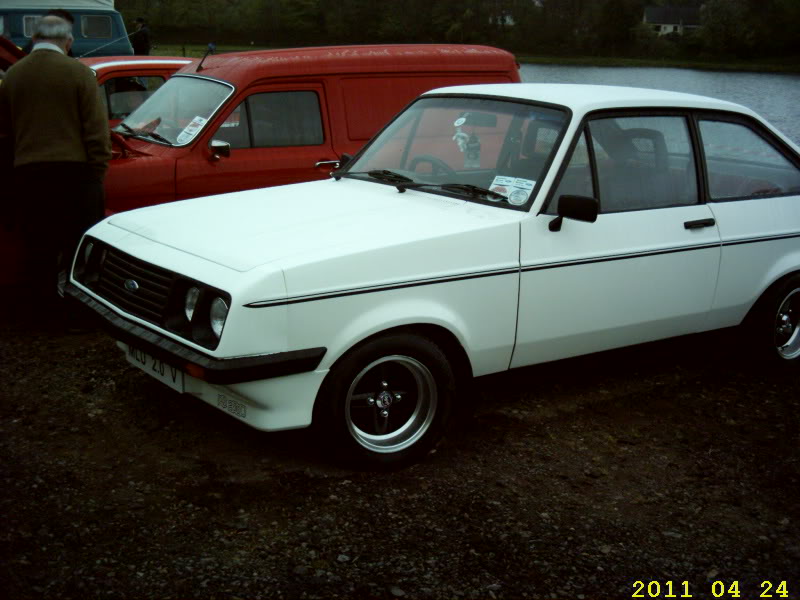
(355, 328)
(766, 294)
(771, 327)
(444, 338)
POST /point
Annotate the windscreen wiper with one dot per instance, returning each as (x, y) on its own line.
(127, 128)
(471, 190)
(155, 136)
(380, 175)
(139, 133)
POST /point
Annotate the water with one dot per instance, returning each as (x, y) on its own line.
(776, 97)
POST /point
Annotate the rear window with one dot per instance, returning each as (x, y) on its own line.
(96, 26)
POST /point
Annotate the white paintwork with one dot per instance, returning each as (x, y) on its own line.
(746, 270)
(328, 264)
(573, 310)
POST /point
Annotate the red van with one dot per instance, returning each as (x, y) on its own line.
(256, 119)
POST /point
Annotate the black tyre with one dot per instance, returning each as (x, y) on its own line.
(387, 403)
(775, 323)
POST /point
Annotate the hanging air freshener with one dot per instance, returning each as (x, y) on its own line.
(472, 153)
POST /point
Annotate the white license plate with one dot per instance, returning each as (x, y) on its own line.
(166, 374)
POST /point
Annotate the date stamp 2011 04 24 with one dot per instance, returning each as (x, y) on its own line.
(717, 589)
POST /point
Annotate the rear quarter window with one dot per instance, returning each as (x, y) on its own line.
(741, 163)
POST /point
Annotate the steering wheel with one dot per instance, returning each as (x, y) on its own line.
(437, 164)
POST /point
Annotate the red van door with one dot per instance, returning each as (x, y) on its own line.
(278, 134)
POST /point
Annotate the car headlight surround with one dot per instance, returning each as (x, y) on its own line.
(197, 311)
(88, 261)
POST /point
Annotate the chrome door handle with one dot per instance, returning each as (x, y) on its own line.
(326, 163)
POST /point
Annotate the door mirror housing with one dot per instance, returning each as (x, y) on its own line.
(579, 208)
(219, 149)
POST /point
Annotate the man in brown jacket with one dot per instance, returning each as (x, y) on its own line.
(52, 117)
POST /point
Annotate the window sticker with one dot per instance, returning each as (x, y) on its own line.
(191, 129)
(515, 189)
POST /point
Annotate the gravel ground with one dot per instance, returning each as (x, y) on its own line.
(671, 462)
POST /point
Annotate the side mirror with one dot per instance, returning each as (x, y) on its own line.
(579, 208)
(219, 149)
(346, 158)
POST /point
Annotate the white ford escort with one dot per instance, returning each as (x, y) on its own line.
(487, 227)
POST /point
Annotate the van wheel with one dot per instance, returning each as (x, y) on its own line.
(387, 402)
(775, 323)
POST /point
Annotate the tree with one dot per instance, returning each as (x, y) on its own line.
(726, 28)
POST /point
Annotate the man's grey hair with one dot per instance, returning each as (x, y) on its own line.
(52, 28)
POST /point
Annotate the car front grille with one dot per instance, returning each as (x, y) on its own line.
(143, 290)
(135, 286)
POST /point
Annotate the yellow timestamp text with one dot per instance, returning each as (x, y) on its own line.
(717, 589)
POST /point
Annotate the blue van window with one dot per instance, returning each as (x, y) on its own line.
(96, 26)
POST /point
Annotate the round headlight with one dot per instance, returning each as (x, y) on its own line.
(87, 252)
(217, 315)
(192, 295)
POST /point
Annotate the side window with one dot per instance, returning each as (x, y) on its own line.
(643, 162)
(123, 95)
(96, 26)
(742, 164)
(577, 178)
(274, 119)
(235, 129)
(285, 119)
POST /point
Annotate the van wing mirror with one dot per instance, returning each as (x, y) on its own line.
(219, 149)
(579, 208)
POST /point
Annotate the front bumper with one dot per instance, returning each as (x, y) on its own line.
(220, 371)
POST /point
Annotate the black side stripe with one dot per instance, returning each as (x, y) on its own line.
(615, 257)
(769, 238)
(382, 288)
(510, 271)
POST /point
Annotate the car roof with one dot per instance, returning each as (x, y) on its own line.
(584, 98)
(98, 63)
(241, 68)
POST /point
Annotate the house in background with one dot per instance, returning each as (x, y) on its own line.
(672, 19)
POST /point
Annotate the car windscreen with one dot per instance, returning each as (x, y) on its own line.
(485, 150)
(177, 112)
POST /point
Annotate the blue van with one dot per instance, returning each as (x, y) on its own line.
(98, 30)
